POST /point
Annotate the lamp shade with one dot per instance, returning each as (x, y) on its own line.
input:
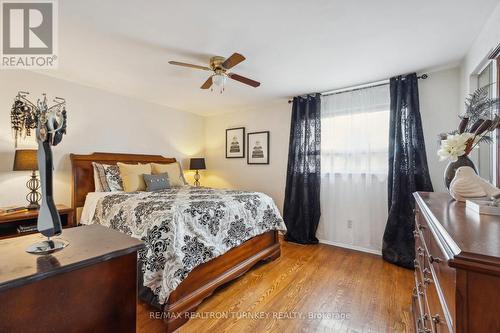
(197, 164)
(25, 160)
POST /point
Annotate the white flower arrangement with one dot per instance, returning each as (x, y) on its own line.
(456, 145)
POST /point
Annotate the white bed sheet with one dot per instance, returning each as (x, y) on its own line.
(89, 207)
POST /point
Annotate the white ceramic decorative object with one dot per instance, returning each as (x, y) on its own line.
(467, 184)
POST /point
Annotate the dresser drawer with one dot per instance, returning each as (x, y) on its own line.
(435, 265)
(420, 306)
(443, 276)
(436, 311)
(434, 277)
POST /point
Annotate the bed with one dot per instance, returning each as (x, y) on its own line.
(230, 244)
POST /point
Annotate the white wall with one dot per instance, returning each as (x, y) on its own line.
(439, 108)
(97, 121)
(235, 172)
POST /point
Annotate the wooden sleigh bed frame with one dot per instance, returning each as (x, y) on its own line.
(204, 279)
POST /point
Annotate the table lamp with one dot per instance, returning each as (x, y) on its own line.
(26, 160)
(197, 164)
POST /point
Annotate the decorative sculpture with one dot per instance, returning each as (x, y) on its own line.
(467, 184)
(50, 125)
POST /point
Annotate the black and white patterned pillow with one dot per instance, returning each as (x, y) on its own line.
(107, 178)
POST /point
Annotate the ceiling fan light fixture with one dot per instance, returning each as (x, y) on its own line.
(219, 80)
(219, 66)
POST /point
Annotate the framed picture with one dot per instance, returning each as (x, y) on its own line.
(258, 148)
(235, 142)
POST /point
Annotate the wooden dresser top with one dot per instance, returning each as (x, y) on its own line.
(476, 236)
(87, 245)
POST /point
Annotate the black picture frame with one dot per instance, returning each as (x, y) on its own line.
(243, 145)
(266, 145)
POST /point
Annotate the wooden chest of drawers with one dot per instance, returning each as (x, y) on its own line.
(457, 267)
(90, 286)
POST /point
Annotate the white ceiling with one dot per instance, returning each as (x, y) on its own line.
(292, 47)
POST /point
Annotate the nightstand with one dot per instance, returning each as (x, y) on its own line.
(9, 224)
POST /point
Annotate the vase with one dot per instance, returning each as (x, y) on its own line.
(451, 168)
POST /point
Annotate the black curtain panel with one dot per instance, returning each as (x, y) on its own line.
(408, 171)
(301, 210)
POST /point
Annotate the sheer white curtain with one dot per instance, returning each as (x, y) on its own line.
(354, 161)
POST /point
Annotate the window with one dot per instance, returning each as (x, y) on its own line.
(355, 131)
(354, 163)
(486, 78)
(486, 154)
(498, 76)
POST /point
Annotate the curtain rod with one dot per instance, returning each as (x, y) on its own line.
(360, 87)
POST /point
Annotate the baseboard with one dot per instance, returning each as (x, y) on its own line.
(351, 247)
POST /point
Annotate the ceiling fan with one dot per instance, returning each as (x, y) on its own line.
(220, 66)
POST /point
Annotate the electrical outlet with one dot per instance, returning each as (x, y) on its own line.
(349, 224)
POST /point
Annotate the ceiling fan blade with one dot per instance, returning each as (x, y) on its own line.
(189, 65)
(207, 84)
(233, 60)
(244, 80)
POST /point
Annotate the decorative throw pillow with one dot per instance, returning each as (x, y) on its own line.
(114, 178)
(156, 182)
(174, 170)
(100, 183)
(107, 177)
(133, 176)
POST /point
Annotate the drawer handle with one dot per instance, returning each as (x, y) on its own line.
(436, 260)
(436, 319)
(420, 292)
(420, 251)
(426, 317)
(421, 327)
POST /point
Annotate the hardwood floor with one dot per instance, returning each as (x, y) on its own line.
(348, 291)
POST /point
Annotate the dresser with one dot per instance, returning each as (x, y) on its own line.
(89, 286)
(457, 267)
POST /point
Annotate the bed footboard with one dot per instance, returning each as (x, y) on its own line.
(204, 279)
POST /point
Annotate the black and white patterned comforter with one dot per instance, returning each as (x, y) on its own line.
(185, 227)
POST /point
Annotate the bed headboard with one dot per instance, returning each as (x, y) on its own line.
(83, 174)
